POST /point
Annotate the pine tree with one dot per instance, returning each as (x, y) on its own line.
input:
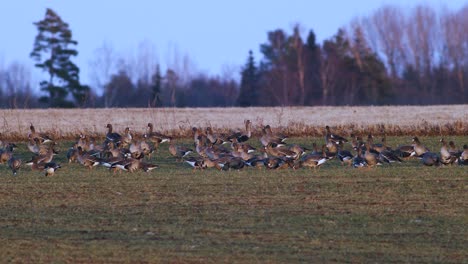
(53, 52)
(249, 89)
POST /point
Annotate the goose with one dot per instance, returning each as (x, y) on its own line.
(43, 157)
(446, 157)
(358, 160)
(214, 138)
(112, 136)
(50, 168)
(333, 138)
(371, 157)
(127, 138)
(313, 161)
(275, 163)
(300, 151)
(14, 164)
(42, 137)
(179, 151)
(267, 137)
(7, 153)
(195, 163)
(280, 152)
(240, 137)
(463, 159)
(257, 162)
(87, 160)
(345, 156)
(33, 145)
(234, 163)
(405, 151)
(419, 148)
(72, 154)
(155, 137)
(453, 149)
(430, 159)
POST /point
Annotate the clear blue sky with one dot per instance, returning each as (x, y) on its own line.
(213, 33)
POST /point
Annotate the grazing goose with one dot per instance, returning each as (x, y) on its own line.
(132, 165)
(446, 157)
(72, 154)
(87, 160)
(463, 159)
(419, 148)
(242, 137)
(234, 163)
(195, 163)
(34, 145)
(344, 156)
(300, 151)
(280, 152)
(14, 164)
(430, 159)
(278, 163)
(312, 160)
(7, 153)
(358, 160)
(42, 137)
(43, 157)
(257, 162)
(405, 151)
(214, 138)
(113, 136)
(453, 149)
(155, 137)
(50, 168)
(371, 157)
(333, 138)
(179, 151)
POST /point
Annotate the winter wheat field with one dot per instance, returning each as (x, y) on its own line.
(403, 212)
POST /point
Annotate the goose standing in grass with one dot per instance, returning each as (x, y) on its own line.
(333, 138)
(112, 136)
(155, 137)
(344, 156)
(312, 160)
(371, 157)
(178, 151)
(42, 137)
(446, 157)
(87, 160)
(242, 137)
(358, 160)
(127, 138)
(216, 139)
(419, 148)
(267, 137)
(14, 164)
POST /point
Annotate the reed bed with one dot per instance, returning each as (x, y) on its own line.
(293, 121)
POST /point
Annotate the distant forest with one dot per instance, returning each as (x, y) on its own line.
(394, 56)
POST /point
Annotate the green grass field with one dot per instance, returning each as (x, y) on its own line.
(399, 213)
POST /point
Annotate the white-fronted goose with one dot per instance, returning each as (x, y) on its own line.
(257, 162)
(278, 163)
(156, 137)
(43, 157)
(430, 159)
(372, 158)
(419, 148)
(313, 161)
(242, 137)
(334, 138)
(358, 160)
(344, 156)
(112, 136)
(446, 157)
(280, 152)
(50, 168)
(14, 164)
(127, 138)
(195, 163)
(179, 151)
(87, 160)
(42, 137)
(7, 153)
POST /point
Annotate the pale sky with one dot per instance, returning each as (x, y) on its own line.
(214, 34)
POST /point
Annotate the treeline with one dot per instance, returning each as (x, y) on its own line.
(393, 56)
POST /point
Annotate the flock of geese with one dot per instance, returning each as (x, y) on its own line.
(130, 152)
